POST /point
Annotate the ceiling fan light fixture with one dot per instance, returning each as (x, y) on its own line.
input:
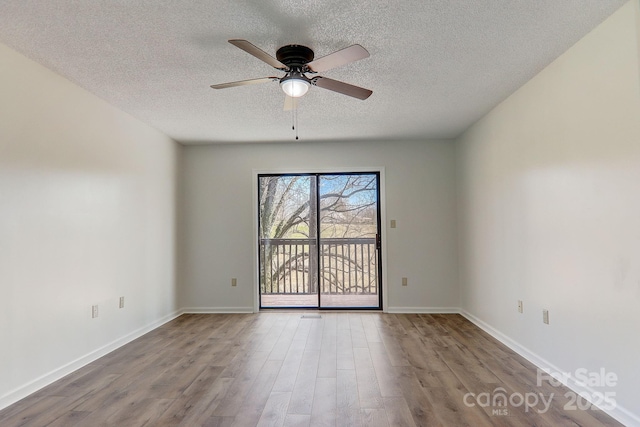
(294, 86)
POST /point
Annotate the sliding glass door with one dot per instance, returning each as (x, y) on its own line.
(319, 240)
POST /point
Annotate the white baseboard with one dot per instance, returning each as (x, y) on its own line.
(423, 310)
(621, 414)
(217, 310)
(513, 345)
(46, 379)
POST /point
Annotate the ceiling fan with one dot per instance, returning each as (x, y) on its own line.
(297, 61)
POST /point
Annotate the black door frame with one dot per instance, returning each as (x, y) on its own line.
(378, 239)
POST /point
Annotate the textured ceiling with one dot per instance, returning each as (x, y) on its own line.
(436, 66)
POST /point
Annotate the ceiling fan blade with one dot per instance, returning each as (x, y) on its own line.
(244, 82)
(258, 53)
(336, 59)
(341, 87)
(290, 103)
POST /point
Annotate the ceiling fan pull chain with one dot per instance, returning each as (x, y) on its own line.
(295, 109)
(294, 117)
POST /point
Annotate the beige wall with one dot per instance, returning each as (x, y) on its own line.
(87, 214)
(220, 215)
(550, 212)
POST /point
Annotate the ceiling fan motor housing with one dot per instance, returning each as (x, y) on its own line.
(294, 56)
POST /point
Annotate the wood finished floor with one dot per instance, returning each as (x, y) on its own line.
(278, 369)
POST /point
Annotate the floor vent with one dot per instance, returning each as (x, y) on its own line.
(311, 316)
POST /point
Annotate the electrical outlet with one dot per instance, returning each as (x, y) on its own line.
(545, 316)
(404, 281)
(234, 282)
(520, 308)
(121, 304)
(393, 223)
(94, 311)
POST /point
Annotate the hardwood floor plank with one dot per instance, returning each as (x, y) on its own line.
(450, 402)
(358, 337)
(109, 397)
(427, 379)
(138, 412)
(386, 374)
(347, 401)
(197, 409)
(304, 387)
(468, 369)
(124, 386)
(344, 349)
(303, 330)
(370, 329)
(81, 381)
(290, 366)
(420, 406)
(281, 348)
(374, 418)
(63, 410)
(101, 385)
(175, 381)
(398, 413)
(215, 351)
(216, 421)
(368, 389)
(323, 411)
(314, 340)
(396, 354)
(275, 410)
(202, 383)
(30, 414)
(256, 400)
(327, 365)
(70, 418)
(242, 385)
(273, 335)
(297, 420)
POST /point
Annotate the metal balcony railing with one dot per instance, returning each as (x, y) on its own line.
(345, 266)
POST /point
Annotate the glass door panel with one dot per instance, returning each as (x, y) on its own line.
(288, 241)
(348, 241)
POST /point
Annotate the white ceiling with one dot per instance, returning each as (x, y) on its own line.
(436, 66)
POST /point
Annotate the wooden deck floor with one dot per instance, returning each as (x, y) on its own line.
(303, 300)
(282, 369)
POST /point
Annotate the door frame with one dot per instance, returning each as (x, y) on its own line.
(344, 170)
